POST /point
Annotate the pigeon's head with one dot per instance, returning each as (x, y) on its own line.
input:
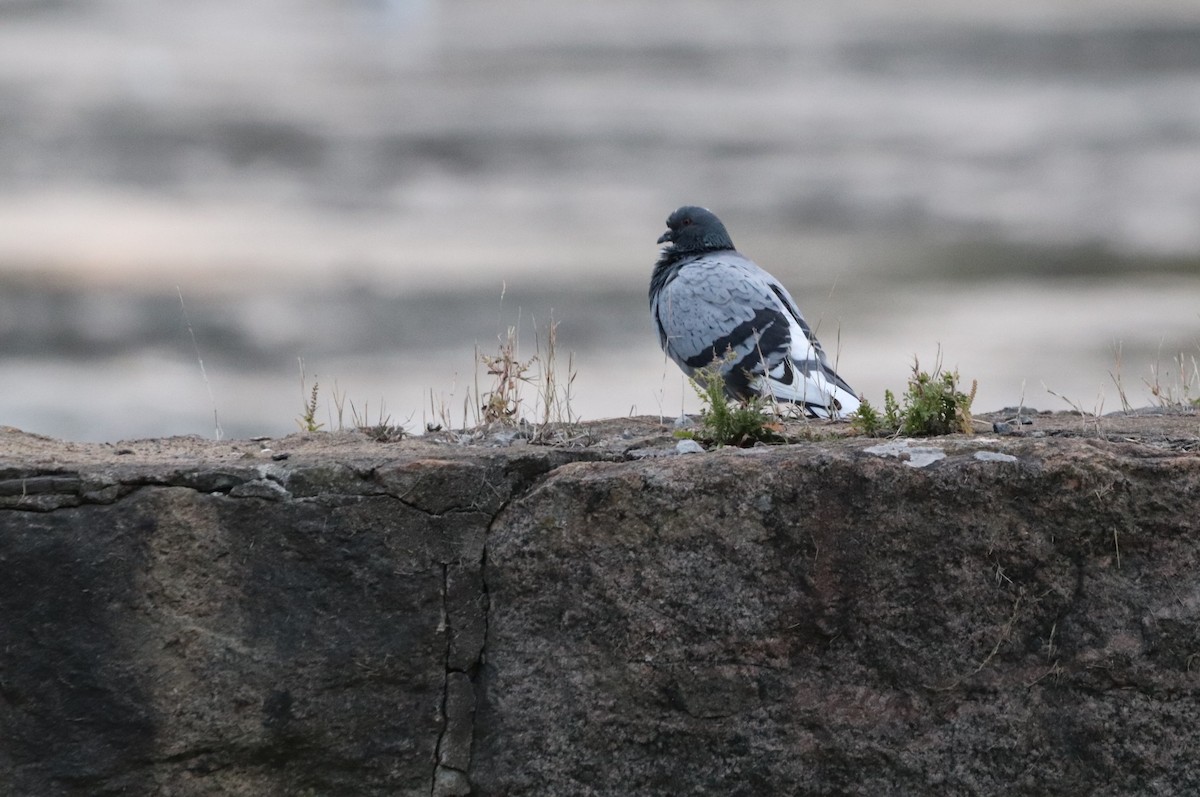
(693, 229)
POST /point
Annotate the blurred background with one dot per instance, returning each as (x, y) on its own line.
(379, 187)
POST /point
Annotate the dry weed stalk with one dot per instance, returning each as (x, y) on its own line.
(555, 393)
(503, 402)
(1180, 392)
(1095, 416)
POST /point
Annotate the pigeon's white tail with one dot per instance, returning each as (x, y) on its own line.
(819, 396)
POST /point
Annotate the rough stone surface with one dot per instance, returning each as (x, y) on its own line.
(197, 618)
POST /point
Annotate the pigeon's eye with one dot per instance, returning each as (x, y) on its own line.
(686, 223)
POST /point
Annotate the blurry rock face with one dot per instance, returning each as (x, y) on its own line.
(417, 619)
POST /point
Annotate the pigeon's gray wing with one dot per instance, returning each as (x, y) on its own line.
(722, 307)
(711, 312)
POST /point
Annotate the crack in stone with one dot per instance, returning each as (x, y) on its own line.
(454, 510)
(452, 753)
(445, 628)
(461, 687)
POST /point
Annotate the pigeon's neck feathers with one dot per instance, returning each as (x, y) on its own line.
(672, 254)
(664, 271)
(671, 260)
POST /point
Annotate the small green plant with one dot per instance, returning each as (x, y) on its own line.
(308, 415)
(731, 423)
(891, 410)
(933, 405)
(381, 430)
(867, 420)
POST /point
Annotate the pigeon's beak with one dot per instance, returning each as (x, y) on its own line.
(666, 237)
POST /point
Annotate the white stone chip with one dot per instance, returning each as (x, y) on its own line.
(994, 456)
(912, 456)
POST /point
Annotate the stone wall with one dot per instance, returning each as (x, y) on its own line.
(1006, 616)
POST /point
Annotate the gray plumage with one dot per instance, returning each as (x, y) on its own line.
(711, 304)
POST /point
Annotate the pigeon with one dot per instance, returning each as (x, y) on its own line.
(712, 305)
